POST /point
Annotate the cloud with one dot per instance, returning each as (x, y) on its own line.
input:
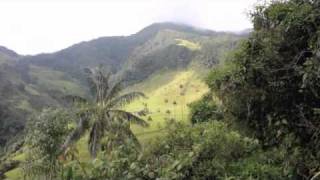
(36, 26)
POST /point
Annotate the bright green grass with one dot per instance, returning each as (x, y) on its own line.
(15, 174)
(181, 87)
(166, 92)
(188, 44)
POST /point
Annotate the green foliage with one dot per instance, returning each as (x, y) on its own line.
(271, 82)
(102, 116)
(204, 151)
(24, 91)
(45, 135)
(111, 165)
(204, 110)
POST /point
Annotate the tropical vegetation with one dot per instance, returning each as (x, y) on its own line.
(258, 118)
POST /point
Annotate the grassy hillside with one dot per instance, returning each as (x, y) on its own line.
(161, 86)
(168, 94)
(174, 48)
(41, 80)
(188, 44)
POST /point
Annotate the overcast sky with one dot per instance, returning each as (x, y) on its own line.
(35, 26)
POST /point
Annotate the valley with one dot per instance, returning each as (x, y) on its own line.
(44, 79)
(165, 61)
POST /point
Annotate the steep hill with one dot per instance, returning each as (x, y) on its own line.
(29, 83)
(26, 89)
(154, 47)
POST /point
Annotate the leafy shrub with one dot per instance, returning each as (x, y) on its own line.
(205, 110)
(271, 84)
(203, 151)
(46, 133)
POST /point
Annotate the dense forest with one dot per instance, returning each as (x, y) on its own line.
(170, 102)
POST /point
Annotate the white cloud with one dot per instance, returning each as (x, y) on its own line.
(36, 26)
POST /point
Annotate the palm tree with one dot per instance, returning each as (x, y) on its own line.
(102, 116)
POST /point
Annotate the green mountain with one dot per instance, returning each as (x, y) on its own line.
(27, 89)
(156, 46)
(29, 83)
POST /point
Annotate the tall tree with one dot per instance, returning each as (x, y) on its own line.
(272, 82)
(102, 115)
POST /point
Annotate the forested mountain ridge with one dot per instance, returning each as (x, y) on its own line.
(5, 52)
(133, 50)
(25, 89)
(29, 83)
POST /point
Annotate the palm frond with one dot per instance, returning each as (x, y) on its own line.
(124, 115)
(103, 80)
(125, 99)
(103, 117)
(76, 134)
(113, 91)
(98, 82)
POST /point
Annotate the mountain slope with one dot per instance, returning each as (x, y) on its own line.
(29, 83)
(155, 43)
(27, 89)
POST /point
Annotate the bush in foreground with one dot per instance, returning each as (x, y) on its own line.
(203, 151)
(46, 132)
